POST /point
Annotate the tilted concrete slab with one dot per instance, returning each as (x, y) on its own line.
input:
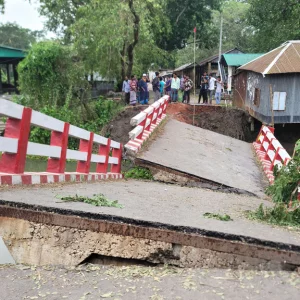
(208, 155)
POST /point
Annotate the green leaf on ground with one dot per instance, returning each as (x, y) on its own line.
(96, 200)
(219, 217)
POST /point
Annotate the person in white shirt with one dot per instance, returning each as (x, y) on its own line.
(175, 86)
(211, 87)
(219, 90)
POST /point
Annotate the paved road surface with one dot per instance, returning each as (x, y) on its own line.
(208, 155)
(157, 202)
(143, 283)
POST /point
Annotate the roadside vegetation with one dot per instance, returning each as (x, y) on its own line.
(138, 173)
(284, 193)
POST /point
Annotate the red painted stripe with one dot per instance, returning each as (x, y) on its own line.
(6, 179)
(67, 177)
(44, 178)
(26, 179)
(56, 178)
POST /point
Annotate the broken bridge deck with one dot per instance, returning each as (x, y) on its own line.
(208, 155)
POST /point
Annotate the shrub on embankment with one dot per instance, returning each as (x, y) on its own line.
(284, 193)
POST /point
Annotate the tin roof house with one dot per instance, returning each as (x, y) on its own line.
(269, 86)
(230, 62)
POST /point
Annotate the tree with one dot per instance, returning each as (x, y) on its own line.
(15, 36)
(274, 21)
(1, 6)
(236, 31)
(184, 16)
(61, 15)
(109, 33)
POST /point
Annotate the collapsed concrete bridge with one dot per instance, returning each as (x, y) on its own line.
(160, 223)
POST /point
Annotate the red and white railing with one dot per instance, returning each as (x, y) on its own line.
(15, 146)
(270, 151)
(145, 123)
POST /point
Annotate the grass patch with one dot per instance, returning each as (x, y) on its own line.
(96, 200)
(279, 215)
(138, 173)
(219, 217)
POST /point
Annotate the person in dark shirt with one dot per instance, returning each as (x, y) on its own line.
(203, 91)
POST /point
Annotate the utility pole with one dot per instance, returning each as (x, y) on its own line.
(195, 30)
(220, 46)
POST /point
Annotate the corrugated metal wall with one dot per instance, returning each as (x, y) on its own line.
(289, 83)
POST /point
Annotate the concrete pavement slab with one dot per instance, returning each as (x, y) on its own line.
(206, 154)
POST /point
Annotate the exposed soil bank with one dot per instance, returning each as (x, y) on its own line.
(229, 121)
(119, 128)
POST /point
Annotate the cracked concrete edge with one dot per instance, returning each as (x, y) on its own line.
(39, 244)
(22, 211)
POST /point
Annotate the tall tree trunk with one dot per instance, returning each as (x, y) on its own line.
(123, 62)
(131, 46)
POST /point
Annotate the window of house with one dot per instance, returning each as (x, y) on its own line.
(257, 96)
(279, 101)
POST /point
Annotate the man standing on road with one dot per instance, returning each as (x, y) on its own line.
(219, 90)
(175, 86)
(156, 86)
(211, 88)
(188, 85)
(126, 90)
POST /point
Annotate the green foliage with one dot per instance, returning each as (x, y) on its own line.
(274, 22)
(139, 173)
(219, 217)
(2, 6)
(15, 36)
(60, 15)
(50, 75)
(184, 16)
(104, 111)
(96, 200)
(286, 180)
(277, 215)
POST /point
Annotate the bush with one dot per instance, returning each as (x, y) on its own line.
(287, 180)
(139, 173)
(50, 74)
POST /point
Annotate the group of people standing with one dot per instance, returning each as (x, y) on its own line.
(207, 88)
(138, 91)
(172, 86)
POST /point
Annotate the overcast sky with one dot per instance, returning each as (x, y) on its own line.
(23, 13)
